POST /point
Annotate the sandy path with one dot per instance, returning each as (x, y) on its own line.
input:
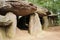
(51, 34)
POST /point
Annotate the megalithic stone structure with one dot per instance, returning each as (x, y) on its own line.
(43, 12)
(35, 25)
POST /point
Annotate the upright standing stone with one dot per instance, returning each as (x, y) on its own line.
(34, 24)
(46, 23)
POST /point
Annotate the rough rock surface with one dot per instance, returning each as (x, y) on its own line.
(18, 8)
(35, 24)
(4, 21)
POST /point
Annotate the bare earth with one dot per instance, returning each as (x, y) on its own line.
(53, 33)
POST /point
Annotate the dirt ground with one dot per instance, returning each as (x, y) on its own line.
(52, 33)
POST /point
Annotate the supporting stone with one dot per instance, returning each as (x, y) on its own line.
(12, 29)
(34, 25)
(46, 23)
(50, 22)
(8, 32)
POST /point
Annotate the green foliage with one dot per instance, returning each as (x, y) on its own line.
(52, 5)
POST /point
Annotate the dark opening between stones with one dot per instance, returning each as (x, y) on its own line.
(23, 22)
